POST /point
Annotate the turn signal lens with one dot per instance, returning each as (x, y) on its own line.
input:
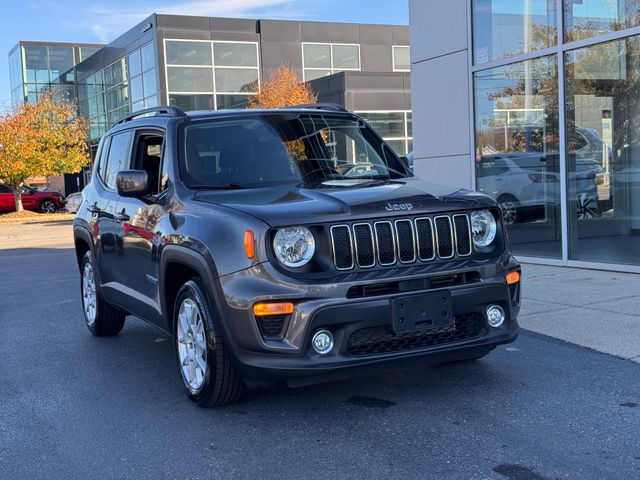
(266, 309)
(249, 244)
(513, 278)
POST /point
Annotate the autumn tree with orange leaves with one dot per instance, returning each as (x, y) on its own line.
(42, 139)
(282, 89)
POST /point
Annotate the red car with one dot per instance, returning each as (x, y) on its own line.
(46, 202)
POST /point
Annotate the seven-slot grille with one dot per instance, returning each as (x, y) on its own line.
(401, 241)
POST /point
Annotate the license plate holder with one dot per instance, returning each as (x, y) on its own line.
(423, 311)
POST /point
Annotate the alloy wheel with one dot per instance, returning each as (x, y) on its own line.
(509, 212)
(192, 345)
(89, 294)
(48, 207)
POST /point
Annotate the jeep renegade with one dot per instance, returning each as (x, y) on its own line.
(248, 236)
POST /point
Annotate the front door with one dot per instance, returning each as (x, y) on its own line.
(138, 263)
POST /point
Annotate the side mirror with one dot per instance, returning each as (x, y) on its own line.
(133, 183)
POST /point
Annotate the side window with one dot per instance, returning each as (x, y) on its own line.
(117, 158)
(5, 189)
(148, 157)
(102, 157)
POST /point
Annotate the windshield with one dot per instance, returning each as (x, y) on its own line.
(314, 149)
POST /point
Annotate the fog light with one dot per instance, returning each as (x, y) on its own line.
(495, 315)
(322, 342)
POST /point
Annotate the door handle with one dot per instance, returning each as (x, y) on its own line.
(123, 217)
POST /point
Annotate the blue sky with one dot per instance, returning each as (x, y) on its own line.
(102, 21)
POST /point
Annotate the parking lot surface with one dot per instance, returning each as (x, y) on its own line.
(76, 406)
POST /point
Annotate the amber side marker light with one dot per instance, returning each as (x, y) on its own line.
(249, 244)
(266, 309)
(513, 278)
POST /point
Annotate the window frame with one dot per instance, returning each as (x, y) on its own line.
(140, 133)
(332, 67)
(105, 159)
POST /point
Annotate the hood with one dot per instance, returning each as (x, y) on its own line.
(293, 205)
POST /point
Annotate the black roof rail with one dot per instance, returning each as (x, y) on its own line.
(320, 106)
(169, 111)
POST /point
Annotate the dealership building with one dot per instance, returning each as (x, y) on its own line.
(536, 103)
(201, 63)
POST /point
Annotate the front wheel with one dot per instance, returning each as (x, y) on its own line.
(48, 206)
(101, 319)
(208, 373)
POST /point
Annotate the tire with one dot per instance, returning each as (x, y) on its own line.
(101, 319)
(207, 370)
(48, 206)
(509, 206)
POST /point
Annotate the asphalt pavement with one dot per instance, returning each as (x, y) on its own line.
(76, 406)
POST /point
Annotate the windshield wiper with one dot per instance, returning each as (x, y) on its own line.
(228, 186)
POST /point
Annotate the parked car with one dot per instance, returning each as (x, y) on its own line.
(45, 202)
(236, 233)
(72, 202)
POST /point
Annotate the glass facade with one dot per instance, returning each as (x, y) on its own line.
(396, 128)
(126, 85)
(557, 125)
(211, 74)
(322, 59)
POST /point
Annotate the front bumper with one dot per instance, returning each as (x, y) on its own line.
(361, 327)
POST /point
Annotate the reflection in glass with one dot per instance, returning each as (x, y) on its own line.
(603, 151)
(135, 64)
(231, 80)
(587, 18)
(401, 60)
(188, 53)
(232, 101)
(317, 56)
(346, 57)
(148, 55)
(150, 83)
(189, 79)
(137, 93)
(388, 124)
(86, 52)
(505, 28)
(36, 64)
(60, 62)
(517, 152)
(235, 54)
(190, 103)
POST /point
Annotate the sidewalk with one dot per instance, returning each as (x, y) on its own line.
(595, 309)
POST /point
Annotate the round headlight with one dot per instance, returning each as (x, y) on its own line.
(483, 228)
(294, 246)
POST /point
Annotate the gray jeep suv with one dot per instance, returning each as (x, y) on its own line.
(246, 237)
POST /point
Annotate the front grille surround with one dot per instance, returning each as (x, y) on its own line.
(402, 251)
(463, 248)
(441, 240)
(377, 226)
(403, 241)
(359, 246)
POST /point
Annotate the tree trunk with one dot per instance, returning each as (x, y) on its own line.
(17, 197)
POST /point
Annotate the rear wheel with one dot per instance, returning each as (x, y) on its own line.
(48, 206)
(208, 373)
(101, 319)
(509, 206)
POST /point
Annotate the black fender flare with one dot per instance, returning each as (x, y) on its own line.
(82, 233)
(205, 269)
